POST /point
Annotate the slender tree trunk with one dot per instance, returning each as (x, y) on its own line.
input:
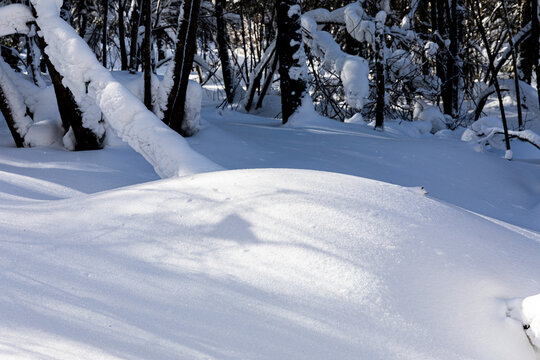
(535, 33)
(147, 53)
(514, 63)
(183, 62)
(122, 34)
(379, 70)
(475, 8)
(526, 49)
(105, 6)
(267, 82)
(135, 22)
(292, 59)
(221, 39)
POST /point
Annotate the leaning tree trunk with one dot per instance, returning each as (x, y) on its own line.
(12, 106)
(221, 39)
(70, 112)
(526, 49)
(292, 59)
(183, 62)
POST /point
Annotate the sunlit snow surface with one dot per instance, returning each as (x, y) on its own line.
(268, 263)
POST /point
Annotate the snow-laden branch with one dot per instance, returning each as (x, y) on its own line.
(353, 70)
(168, 152)
(484, 131)
(14, 19)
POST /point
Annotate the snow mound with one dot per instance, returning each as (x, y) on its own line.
(266, 264)
(43, 133)
(531, 315)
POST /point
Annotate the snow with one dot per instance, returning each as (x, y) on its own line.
(149, 272)
(353, 70)
(430, 114)
(531, 317)
(14, 19)
(322, 240)
(14, 98)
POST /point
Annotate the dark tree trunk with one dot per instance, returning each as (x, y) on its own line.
(147, 54)
(183, 62)
(379, 75)
(514, 63)
(288, 46)
(70, 112)
(105, 6)
(535, 32)
(526, 49)
(122, 34)
(221, 39)
(135, 22)
(267, 82)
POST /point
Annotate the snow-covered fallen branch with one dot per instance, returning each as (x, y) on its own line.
(486, 129)
(169, 153)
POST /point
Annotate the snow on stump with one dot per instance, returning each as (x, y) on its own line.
(527, 311)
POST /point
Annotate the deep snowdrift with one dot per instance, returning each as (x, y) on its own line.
(266, 264)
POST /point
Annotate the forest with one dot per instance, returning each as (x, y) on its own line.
(318, 179)
(433, 61)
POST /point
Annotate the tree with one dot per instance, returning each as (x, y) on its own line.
(292, 59)
(222, 43)
(181, 68)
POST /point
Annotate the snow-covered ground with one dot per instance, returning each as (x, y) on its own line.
(300, 260)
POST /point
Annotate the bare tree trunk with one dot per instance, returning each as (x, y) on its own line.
(379, 70)
(267, 82)
(135, 21)
(147, 53)
(105, 6)
(122, 34)
(535, 32)
(292, 61)
(525, 52)
(221, 40)
(183, 62)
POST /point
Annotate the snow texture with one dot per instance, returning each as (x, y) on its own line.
(284, 266)
(162, 147)
(14, 19)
